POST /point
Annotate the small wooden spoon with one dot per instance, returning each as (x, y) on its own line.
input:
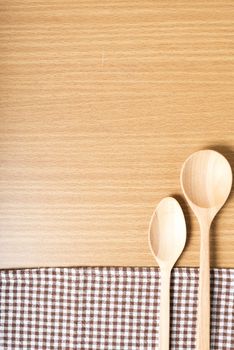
(206, 180)
(167, 236)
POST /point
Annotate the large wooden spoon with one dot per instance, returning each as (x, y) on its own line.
(167, 236)
(206, 180)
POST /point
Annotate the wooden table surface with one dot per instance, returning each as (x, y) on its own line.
(101, 102)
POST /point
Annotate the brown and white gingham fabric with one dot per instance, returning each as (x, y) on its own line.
(108, 308)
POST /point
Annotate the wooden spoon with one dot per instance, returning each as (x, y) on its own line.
(206, 180)
(167, 236)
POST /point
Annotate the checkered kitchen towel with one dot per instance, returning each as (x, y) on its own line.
(107, 308)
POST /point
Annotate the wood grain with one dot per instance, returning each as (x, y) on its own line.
(101, 102)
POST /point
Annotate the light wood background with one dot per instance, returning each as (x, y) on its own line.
(100, 104)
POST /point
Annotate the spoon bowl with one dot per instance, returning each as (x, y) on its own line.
(167, 233)
(206, 179)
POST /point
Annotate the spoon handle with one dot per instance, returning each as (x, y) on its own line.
(164, 326)
(203, 314)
